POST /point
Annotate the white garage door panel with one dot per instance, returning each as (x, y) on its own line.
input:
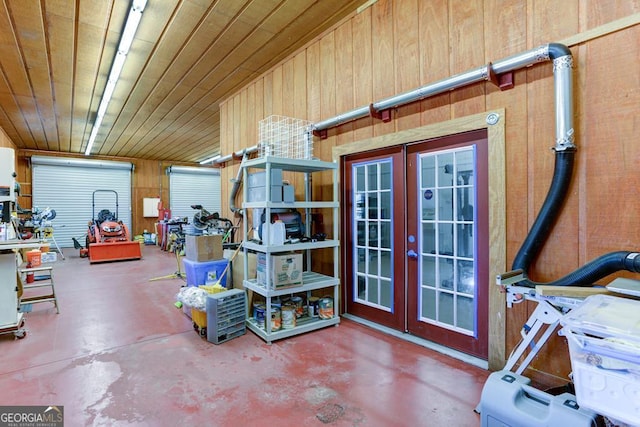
(69, 191)
(193, 186)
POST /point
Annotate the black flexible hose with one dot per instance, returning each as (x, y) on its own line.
(597, 269)
(588, 274)
(549, 211)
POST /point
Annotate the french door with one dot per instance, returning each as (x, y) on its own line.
(416, 255)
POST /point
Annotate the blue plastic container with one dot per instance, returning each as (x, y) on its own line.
(197, 272)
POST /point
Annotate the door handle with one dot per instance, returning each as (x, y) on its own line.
(412, 254)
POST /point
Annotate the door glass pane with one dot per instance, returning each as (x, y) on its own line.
(465, 240)
(361, 206)
(373, 262)
(465, 313)
(447, 274)
(428, 171)
(428, 204)
(361, 259)
(373, 232)
(362, 287)
(445, 266)
(466, 277)
(362, 233)
(385, 176)
(373, 206)
(373, 291)
(428, 238)
(445, 169)
(445, 204)
(372, 181)
(385, 205)
(385, 235)
(385, 293)
(360, 182)
(429, 271)
(465, 166)
(385, 264)
(465, 209)
(445, 308)
(428, 304)
(445, 238)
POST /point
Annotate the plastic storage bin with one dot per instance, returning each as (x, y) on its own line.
(198, 272)
(604, 344)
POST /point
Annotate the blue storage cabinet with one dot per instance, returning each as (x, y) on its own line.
(196, 272)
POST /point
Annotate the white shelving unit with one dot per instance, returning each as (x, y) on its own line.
(310, 280)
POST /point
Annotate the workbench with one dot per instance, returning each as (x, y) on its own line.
(11, 319)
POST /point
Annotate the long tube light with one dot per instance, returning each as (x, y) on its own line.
(129, 32)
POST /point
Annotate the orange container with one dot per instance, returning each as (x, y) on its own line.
(34, 257)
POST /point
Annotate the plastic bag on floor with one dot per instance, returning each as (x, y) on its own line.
(193, 296)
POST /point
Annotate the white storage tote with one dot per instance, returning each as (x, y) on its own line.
(604, 345)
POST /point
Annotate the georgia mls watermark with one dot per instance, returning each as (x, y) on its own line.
(31, 416)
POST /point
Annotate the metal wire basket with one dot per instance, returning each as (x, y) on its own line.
(287, 137)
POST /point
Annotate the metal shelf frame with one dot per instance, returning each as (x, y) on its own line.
(311, 280)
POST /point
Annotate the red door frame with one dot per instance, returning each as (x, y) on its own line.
(396, 318)
(476, 345)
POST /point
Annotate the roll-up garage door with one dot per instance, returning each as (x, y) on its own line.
(193, 186)
(67, 186)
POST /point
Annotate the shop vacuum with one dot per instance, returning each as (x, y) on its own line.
(509, 401)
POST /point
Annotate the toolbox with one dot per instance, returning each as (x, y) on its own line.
(226, 314)
(509, 401)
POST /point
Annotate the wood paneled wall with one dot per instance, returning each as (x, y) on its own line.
(398, 45)
(5, 141)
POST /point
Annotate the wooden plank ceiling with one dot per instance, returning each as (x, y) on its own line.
(188, 55)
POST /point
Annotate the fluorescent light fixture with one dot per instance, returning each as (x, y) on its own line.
(210, 160)
(129, 32)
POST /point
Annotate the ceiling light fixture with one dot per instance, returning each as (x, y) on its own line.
(210, 160)
(130, 28)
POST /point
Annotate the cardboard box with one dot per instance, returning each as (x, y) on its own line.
(286, 270)
(203, 248)
(237, 267)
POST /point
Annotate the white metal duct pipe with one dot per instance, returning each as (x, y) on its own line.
(563, 89)
(441, 86)
(240, 153)
(347, 117)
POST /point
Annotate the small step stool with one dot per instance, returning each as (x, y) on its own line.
(43, 281)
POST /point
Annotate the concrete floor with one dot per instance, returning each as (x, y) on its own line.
(120, 353)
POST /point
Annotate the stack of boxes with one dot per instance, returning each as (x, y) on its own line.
(203, 261)
(203, 265)
(280, 192)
